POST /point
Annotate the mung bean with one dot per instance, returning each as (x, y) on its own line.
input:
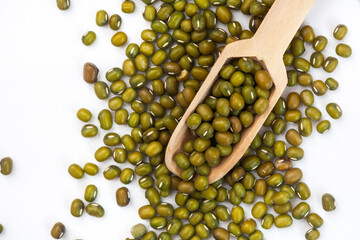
(340, 31)
(328, 202)
(63, 4)
(88, 38)
(95, 210)
(58, 230)
(122, 196)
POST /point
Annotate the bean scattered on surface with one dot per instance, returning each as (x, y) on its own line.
(58, 230)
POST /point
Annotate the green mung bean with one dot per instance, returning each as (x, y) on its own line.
(323, 126)
(315, 220)
(76, 171)
(340, 31)
(122, 196)
(307, 33)
(95, 210)
(91, 169)
(343, 50)
(330, 64)
(312, 234)
(77, 208)
(88, 38)
(128, 6)
(102, 18)
(320, 43)
(58, 230)
(303, 191)
(334, 110)
(328, 202)
(111, 172)
(63, 4)
(283, 221)
(138, 230)
(90, 193)
(6, 166)
(119, 39)
(115, 22)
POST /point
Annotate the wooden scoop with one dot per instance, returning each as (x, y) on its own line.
(267, 47)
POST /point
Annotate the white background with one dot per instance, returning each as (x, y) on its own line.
(41, 88)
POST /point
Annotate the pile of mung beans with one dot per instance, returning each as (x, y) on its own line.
(160, 78)
(241, 92)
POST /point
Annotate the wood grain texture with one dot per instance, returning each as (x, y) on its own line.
(267, 46)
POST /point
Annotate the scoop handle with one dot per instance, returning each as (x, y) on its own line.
(281, 23)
